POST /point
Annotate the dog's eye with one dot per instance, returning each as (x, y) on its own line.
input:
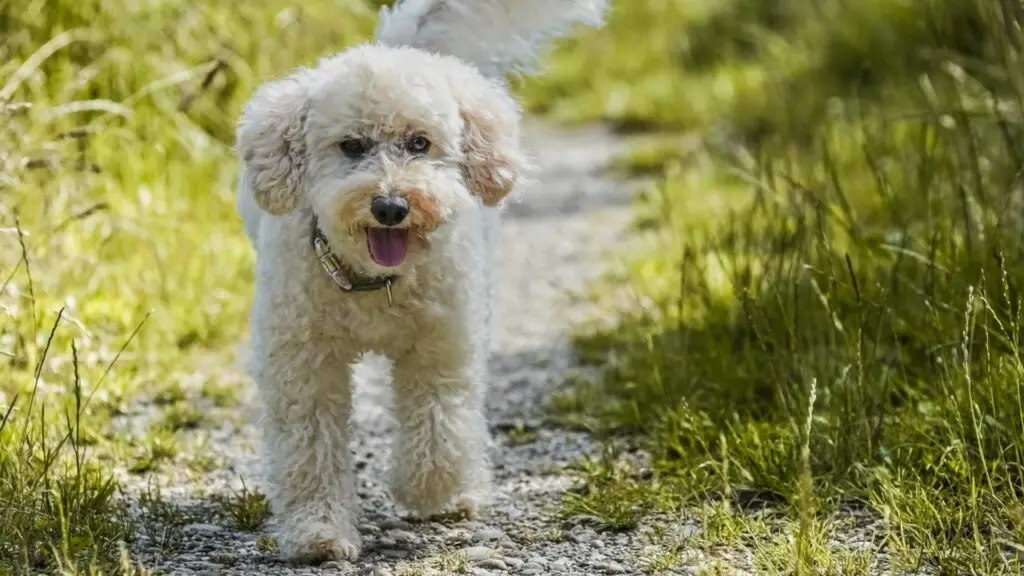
(418, 145)
(354, 148)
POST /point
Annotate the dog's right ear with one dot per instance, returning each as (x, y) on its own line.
(271, 142)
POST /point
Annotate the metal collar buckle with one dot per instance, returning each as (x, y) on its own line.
(347, 282)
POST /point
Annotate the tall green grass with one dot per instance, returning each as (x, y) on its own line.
(831, 317)
(118, 237)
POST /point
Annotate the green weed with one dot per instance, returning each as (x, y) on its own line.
(223, 395)
(181, 416)
(162, 521)
(57, 507)
(246, 509)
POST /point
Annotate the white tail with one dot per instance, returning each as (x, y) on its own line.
(497, 36)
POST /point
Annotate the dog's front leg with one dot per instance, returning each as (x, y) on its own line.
(307, 396)
(440, 451)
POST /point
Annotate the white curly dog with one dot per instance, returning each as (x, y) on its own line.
(371, 188)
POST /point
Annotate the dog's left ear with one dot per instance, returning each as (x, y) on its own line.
(494, 161)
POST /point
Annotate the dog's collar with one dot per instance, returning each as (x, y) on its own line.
(343, 276)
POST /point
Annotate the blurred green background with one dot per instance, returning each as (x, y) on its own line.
(827, 304)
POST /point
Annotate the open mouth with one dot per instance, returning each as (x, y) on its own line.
(387, 246)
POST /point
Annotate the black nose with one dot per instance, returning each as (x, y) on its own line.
(389, 210)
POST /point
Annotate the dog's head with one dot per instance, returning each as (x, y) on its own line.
(386, 145)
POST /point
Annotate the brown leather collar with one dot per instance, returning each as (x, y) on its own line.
(343, 276)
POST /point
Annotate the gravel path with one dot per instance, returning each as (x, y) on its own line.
(552, 243)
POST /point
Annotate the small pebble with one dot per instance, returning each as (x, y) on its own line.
(609, 567)
(487, 535)
(394, 553)
(382, 571)
(404, 536)
(560, 565)
(514, 562)
(394, 524)
(478, 553)
(493, 564)
(582, 535)
(457, 537)
(222, 557)
(369, 529)
(202, 529)
(597, 543)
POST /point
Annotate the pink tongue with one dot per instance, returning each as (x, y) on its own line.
(387, 245)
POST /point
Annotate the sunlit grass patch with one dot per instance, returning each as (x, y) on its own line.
(117, 179)
(181, 416)
(157, 446)
(221, 394)
(832, 315)
(56, 506)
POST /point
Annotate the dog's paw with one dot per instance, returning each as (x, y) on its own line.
(468, 507)
(321, 544)
(422, 501)
(425, 490)
(319, 551)
(436, 492)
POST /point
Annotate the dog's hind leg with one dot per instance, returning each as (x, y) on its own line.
(440, 454)
(307, 406)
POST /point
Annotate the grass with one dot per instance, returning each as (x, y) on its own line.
(827, 299)
(163, 522)
(120, 252)
(825, 340)
(246, 509)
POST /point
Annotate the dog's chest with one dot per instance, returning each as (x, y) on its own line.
(369, 322)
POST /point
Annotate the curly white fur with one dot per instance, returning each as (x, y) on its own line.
(306, 333)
